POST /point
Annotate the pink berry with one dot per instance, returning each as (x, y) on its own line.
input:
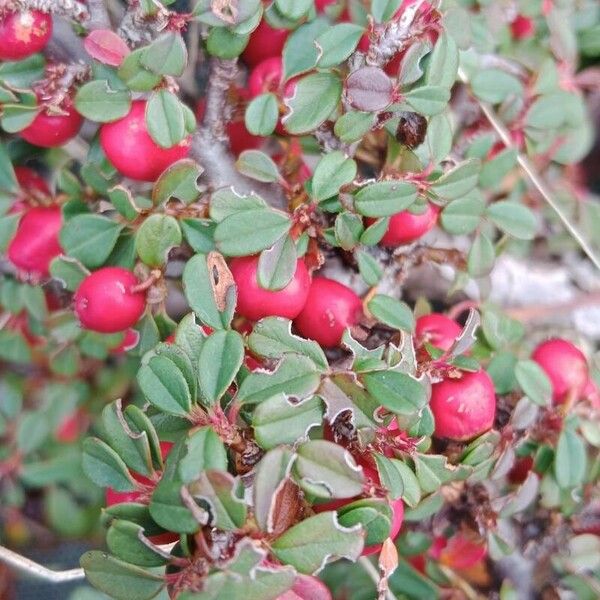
(406, 227)
(565, 365)
(50, 128)
(129, 147)
(105, 303)
(438, 330)
(330, 308)
(463, 408)
(24, 33)
(255, 302)
(36, 241)
(264, 42)
(522, 27)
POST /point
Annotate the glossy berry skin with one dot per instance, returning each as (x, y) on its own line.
(36, 241)
(463, 408)
(49, 129)
(329, 309)
(438, 330)
(129, 147)
(522, 27)
(406, 227)
(264, 42)
(24, 33)
(255, 302)
(266, 77)
(104, 302)
(565, 366)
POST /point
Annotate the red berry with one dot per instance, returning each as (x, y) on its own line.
(522, 27)
(71, 428)
(129, 147)
(520, 469)
(329, 309)
(105, 303)
(24, 33)
(397, 520)
(438, 330)
(36, 241)
(264, 42)
(406, 227)
(463, 408)
(306, 587)
(265, 77)
(565, 366)
(30, 182)
(50, 128)
(462, 552)
(254, 302)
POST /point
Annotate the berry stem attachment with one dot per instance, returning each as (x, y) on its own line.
(155, 276)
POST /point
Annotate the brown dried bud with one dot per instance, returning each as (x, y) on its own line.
(412, 128)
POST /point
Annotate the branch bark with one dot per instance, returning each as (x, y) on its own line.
(99, 17)
(210, 143)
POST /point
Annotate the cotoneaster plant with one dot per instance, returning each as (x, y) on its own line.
(266, 313)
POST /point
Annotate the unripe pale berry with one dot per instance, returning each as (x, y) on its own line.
(406, 227)
(129, 147)
(255, 302)
(50, 128)
(330, 308)
(565, 365)
(438, 330)
(264, 42)
(463, 408)
(24, 33)
(105, 303)
(36, 241)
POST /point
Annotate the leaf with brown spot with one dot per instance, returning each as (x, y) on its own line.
(221, 278)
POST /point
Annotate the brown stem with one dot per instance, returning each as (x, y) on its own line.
(155, 275)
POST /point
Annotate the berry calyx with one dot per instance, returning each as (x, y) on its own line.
(24, 33)
(105, 302)
(406, 227)
(463, 408)
(438, 330)
(566, 367)
(255, 302)
(36, 241)
(264, 42)
(129, 147)
(330, 308)
(53, 126)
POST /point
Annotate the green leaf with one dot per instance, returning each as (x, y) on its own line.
(348, 229)
(199, 292)
(277, 264)
(157, 235)
(21, 74)
(458, 181)
(277, 421)
(300, 53)
(384, 10)
(326, 470)
(223, 494)
(272, 337)
(373, 514)
(443, 63)
(570, 462)
(134, 74)
(481, 256)
(392, 312)
(434, 470)
(385, 198)
(166, 55)
(221, 357)
(123, 200)
(262, 114)
(204, 450)
(296, 376)
(190, 337)
(90, 238)
(250, 231)
(16, 117)
(499, 329)
(198, 233)
(428, 100)
(353, 125)
(105, 467)
(337, 43)
(513, 218)
(165, 119)
(8, 180)
(369, 267)
(495, 85)
(224, 43)
(494, 171)
(33, 430)
(226, 202)
(310, 544)
(399, 392)
(258, 166)
(118, 579)
(305, 115)
(333, 171)
(124, 540)
(98, 102)
(179, 181)
(534, 382)
(462, 216)
(399, 479)
(164, 386)
(293, 9)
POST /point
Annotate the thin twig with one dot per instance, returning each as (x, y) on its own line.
(29, 566)
(535, 178)
(367, 565)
